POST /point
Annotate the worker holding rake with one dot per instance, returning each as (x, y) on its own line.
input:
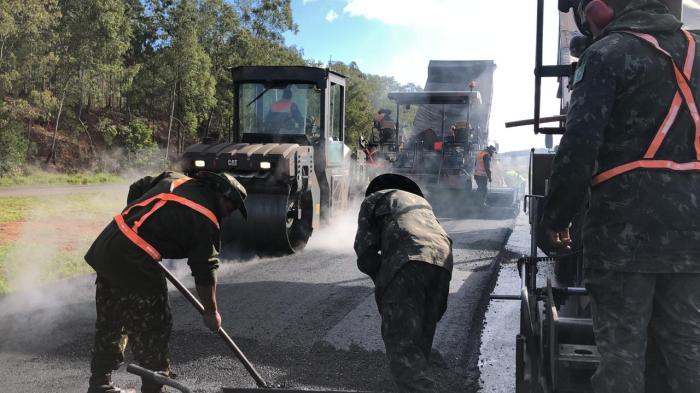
(170, 216)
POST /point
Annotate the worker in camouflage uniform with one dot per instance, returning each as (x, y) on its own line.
(169, 216)
(633, 141)
(402, 247)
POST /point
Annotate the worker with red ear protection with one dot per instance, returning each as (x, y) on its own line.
(632, 146)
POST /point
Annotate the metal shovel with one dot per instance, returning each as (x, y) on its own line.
(232, 345)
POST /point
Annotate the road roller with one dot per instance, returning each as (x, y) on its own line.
(286, 147)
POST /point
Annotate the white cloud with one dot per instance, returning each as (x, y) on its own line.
(305, 2)
(331, 16)
(412, 12)
(692, 4)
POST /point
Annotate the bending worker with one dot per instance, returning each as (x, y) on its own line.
(402, 247)
(170, 216)
(633, 141)
(482, 172)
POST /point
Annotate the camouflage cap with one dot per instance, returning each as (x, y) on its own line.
(389, 181)
(227, 185)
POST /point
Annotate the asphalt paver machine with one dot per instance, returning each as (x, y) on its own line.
(286, 147)
(440, 154)
(555, 347)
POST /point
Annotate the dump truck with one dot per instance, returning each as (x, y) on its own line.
(286, 147)
(555, 346)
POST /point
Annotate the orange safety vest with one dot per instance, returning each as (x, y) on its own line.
(282, 106)
(480, 166)
(684, 94)
(131, 232)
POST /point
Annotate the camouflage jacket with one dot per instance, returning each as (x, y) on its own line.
(176, 231)
(644, 220)
(395, 227)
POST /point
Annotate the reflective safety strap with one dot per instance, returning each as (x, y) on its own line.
(646, 164)
(178, 182)
(677, 99)
(163, 198)
(192, 205)
(175, 184)
(683, 85)
(684, 93)
(136, 239)
(155, 208)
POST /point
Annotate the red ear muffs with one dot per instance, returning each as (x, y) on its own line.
(598, 15)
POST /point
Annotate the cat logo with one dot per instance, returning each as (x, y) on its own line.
(232, 162)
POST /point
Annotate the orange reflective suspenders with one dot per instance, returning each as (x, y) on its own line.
(684, 94)
(282, 106)
(132, 232)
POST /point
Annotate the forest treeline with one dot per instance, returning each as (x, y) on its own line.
(81, 78)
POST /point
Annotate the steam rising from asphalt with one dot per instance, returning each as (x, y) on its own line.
(60, 227)
(339, 234)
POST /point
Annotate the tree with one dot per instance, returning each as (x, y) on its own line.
(359, 111)
(191, 66)
(27, 34)
(13, 144)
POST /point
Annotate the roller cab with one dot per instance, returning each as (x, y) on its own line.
(286, 147)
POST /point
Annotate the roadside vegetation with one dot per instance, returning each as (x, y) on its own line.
(44, 239)
(43, 178)
(90, 89)
(104, 85)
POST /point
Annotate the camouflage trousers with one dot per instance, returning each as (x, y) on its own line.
(631, 310)
(410, 307)
(146, 321)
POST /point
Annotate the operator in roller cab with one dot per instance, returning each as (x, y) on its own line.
(633, 142)
(402, 247)
(170, 216)
(284, 114)
(482, 172)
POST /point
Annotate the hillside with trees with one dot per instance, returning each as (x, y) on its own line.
(108, 84)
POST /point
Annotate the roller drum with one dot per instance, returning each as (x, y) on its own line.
(278, 223)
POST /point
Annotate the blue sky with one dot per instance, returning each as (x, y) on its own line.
(399, 37)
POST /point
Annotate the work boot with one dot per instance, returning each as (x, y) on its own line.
(103, 384)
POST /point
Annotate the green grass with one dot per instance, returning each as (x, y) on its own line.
(14, 209)
(4, 285)
(57, 251)
(40, 178)
(65, 264)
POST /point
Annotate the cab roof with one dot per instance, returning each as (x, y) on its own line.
(291, 74)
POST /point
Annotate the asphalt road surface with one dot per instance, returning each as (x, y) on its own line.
(306, 321)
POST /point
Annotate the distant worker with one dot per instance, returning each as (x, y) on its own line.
(402, 247)
(381, 116)
(385, 126)
(632, 143)
(284, 114)
(482, 172)
(170, 216)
